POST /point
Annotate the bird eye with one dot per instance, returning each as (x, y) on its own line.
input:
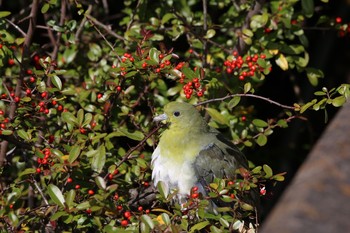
(176, 113)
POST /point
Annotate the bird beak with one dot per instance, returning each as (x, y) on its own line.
(161, 117)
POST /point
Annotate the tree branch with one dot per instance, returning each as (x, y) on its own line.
(24, 66)
(246, 95)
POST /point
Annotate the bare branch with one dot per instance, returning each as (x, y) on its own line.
(247, 95)
(128, 155)
(106, 28)
(17, 28)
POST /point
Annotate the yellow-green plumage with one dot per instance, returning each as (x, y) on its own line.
(190, 153)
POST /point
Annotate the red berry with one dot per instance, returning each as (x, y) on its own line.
(11, 206)
(232, 195)
(17, 99)
(28, 92)
(147, 211)
(82, 130)
(241, 77)
(38, 170)
(77, 186)
(230, 183)
(99, 96)
(69, 180)
(110, 176)
(59, 108)
(29, 72)
(195, 189)
(131, 59)
(338, 20)
(31, 79)
(44, 94)
(127, 214)
(199, 93)
(144, 65)
(88, 211)
(116, 196)
(119, 88)
(195, 195)
(54, 102)
(11, 62)
(1, 112)
(140, 208)
(119, 207)
(161, 56)
(124, 223)
(91, 192)
(158, 70)
(243, 118)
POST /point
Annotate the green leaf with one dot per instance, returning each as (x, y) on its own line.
(45, 8)
(69, 118)
(23, 134)
(13, 218)
(6, 132)
(308, 7)
(162, 189)
(278, 177)
(247, 87)
(154, 55)
(217, 116)
(282, 62)
(57, 215)
(56, 194)
(313, 75)
(84, 205)
(282, 123)
(210, 33)
(260, 123)
(80, 117)
(56, 81)
(99, 159)
(268, 171)
(70, 196)
(4, 14)
(101, 183)
(234, 102)
(136, 135)
(74, 153)
(167, 17)
(199, 226)
(338, 101)
(261, 140)
(147, 220)
(307, 105)
(189, 73)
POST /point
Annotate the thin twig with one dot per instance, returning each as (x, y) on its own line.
(205, 28)
(246, 95)
(40, 191)
(127, 156)
(18, 28)
(106, 28)
(241, 45)
(81, 26)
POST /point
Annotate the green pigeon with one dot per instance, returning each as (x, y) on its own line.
(190, 153)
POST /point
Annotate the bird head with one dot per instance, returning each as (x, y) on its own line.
(181, 115)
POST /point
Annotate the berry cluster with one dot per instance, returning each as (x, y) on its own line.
(343, 29)
(142, 62)
(45, 161)
(244, 67)
(193, 86)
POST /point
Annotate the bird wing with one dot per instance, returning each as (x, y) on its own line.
(219, 159)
